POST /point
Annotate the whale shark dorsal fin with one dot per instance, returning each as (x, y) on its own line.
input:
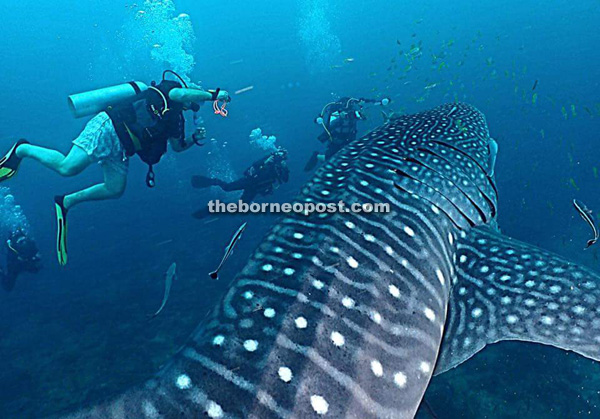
(509, 290)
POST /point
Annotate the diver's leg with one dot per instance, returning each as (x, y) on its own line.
(201, 182)
(236, 185)
(331, 150)
(113, 187)
(248, 195)
(70, 165)
(312, 162)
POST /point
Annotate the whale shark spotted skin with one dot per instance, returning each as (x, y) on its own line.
(350, 314)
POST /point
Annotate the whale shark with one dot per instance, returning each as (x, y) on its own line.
(350, 314)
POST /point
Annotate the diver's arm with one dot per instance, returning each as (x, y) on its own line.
(181, 144)
(183, 95)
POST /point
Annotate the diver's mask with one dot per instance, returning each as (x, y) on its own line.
(281, 154)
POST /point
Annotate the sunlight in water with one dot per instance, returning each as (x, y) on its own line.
(158, 32)
(321, 44)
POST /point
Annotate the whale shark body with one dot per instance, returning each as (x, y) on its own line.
(351, 314)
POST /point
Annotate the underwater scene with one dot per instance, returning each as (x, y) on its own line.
(300, 209)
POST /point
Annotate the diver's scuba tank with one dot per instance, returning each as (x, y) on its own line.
(92, 102)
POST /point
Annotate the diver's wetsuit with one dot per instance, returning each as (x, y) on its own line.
(22, 256)
(340, 127)
(259, 179)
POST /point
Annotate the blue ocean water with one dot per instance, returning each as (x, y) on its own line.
(70, 336)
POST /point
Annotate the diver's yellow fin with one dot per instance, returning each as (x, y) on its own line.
(61, 232)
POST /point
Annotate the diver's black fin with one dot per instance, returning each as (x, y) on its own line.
(214, 275)
(312, 162)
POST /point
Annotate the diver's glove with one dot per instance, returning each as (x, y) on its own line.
(224, 96)
(220, 95)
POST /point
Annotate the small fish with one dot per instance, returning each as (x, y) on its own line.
(169, 277)
(236, 62)
(572, 181)
(431, 86)
(564, 112)
(349, 60)
(387, 117)
(164, 242)
(573, 110)
(228, 250)
(595, 169)
(586, 214)
(534, 85)
(460, 126)
(534, 98)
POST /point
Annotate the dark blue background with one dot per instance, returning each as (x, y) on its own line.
(75, 334)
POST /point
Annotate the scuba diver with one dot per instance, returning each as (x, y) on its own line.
(130, 119)
(22, 256)
(262, 178)
(339, 121)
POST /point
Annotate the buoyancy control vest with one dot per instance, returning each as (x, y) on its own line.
(145, 125)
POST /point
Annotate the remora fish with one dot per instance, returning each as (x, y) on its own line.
(228, 250)
(587, 216)
(356, 312)
(170, 275)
